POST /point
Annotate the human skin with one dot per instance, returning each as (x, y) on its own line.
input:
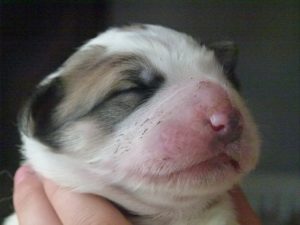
(246, 215)
(40, 201)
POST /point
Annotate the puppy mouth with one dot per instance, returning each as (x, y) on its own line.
(221, 161)
(221, 165)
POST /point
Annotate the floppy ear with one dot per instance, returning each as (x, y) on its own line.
(226, 53)
(36, 118)
(39, 116)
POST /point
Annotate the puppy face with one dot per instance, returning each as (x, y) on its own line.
(145, 111)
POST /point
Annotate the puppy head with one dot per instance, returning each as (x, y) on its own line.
(147, 110)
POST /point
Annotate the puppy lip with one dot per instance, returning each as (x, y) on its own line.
(210, 164)
(221, 161)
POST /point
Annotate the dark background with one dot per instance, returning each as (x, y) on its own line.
(36, 38)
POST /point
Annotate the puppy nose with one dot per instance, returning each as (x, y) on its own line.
(227, 125)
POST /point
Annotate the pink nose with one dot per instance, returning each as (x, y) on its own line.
(227, 125)
(204, 123)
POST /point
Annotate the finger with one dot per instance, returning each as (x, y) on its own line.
(245, 213)
(81, 209)
(30, 201)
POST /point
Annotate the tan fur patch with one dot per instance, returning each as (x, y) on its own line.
(89, 76)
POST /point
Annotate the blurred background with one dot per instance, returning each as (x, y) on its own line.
(36, 38)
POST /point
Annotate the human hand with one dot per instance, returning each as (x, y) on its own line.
(40, 201)
(245, 213)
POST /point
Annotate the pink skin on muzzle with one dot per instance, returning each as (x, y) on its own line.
(199, 127)
(191, 129)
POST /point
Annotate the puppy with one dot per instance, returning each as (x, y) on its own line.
(151, 120)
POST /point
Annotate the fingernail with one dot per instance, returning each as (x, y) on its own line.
(22, 173)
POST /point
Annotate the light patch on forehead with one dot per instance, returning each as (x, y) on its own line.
(174, 53)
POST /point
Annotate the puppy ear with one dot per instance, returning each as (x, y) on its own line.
(39, 116)
(226, 53)
(36, 119)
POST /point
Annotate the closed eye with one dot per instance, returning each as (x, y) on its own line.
(139, 89)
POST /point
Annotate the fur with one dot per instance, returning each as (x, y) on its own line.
(97, 123)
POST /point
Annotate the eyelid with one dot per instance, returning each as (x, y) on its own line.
(129, 84)
(127, 87)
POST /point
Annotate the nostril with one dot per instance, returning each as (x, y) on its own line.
(218, 128)
(219, 121)
(227, 125)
